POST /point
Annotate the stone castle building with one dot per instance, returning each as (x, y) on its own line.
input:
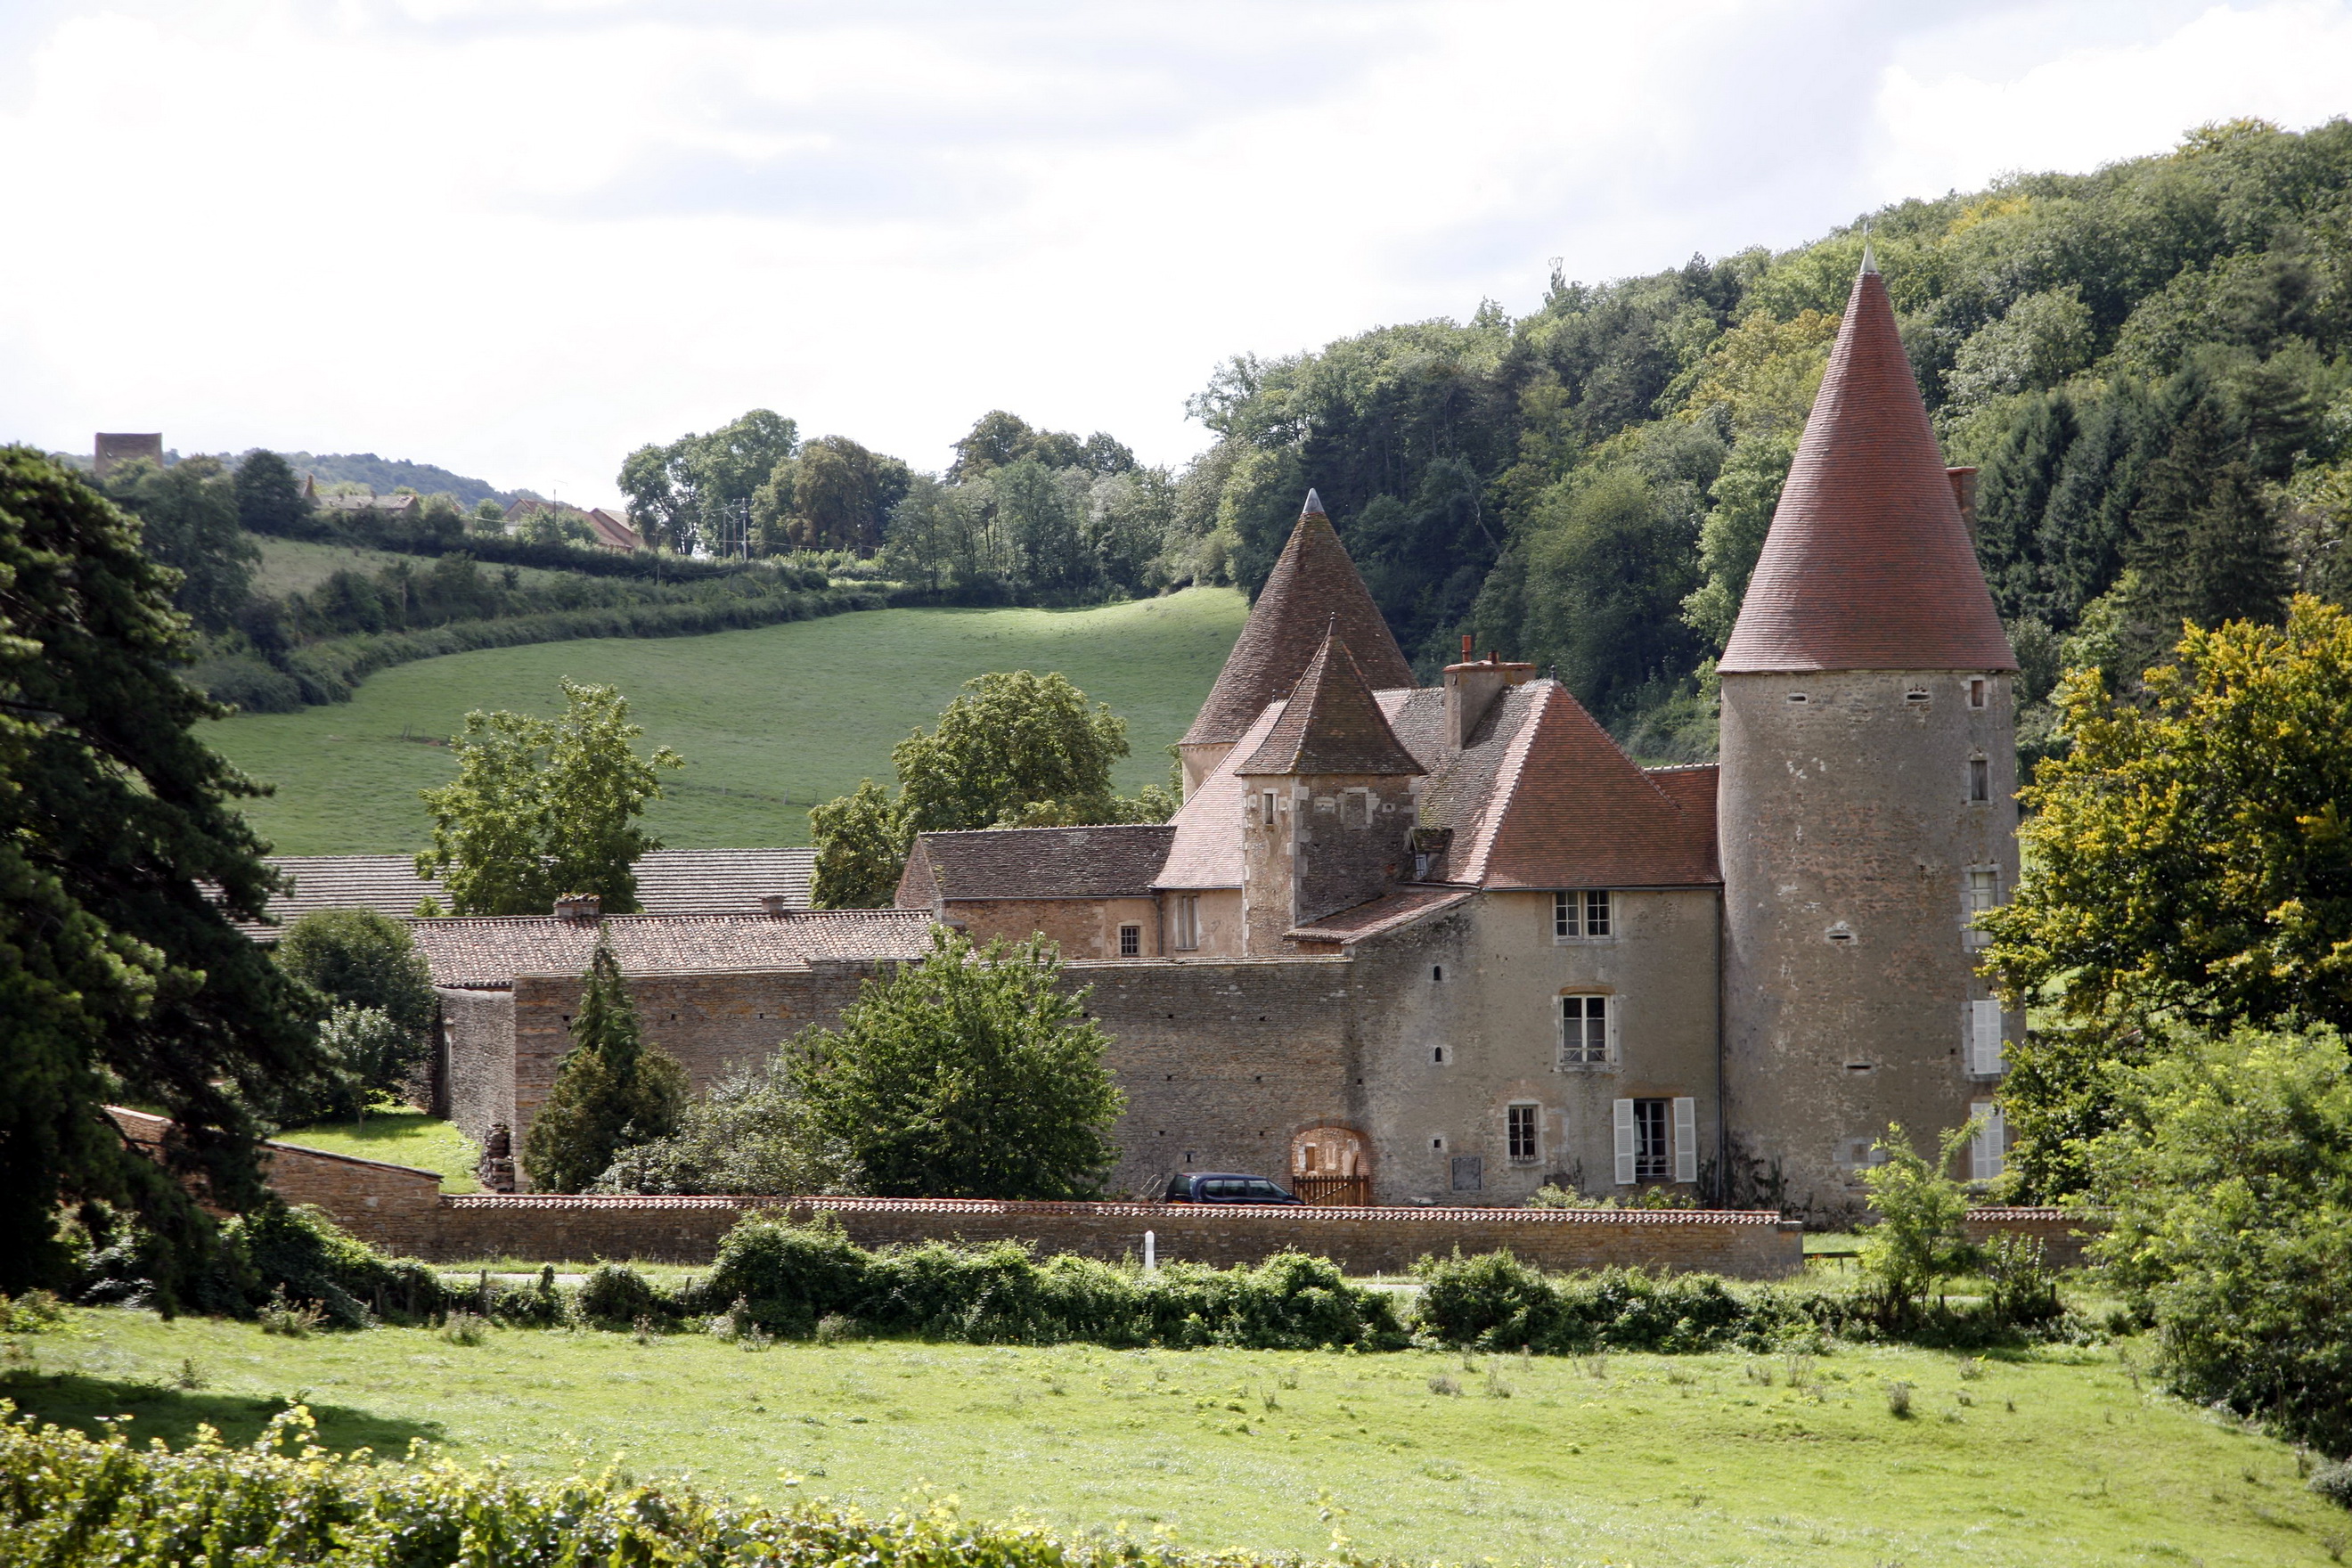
(1448, 944)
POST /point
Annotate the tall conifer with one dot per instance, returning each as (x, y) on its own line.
(612, 1092)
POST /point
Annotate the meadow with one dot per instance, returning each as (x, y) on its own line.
(408, 1138)
(770, 721)
(2054, 1457)
(299, 566)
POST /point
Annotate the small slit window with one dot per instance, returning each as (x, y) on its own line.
(1265, 808)
(1188, 921)
(1915, 698)
(1977, 686)
(1798, 699)
(1979, 781)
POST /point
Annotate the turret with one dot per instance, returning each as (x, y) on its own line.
(1867, 803)
(1314, 587)
(1327, 803)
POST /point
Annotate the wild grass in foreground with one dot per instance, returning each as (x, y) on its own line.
(2056, 1456)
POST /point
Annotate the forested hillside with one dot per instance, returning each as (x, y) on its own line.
(2149, 362)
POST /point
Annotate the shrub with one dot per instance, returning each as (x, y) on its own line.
(70, 1501)
(2333, 1482)
(1497, 1302)
(1917, 1240)
(33, 1313)
(247, 683)
(615, 1296)
(752, 1134)
(297, 1255)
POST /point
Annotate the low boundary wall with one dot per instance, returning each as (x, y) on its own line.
(2062, 1234)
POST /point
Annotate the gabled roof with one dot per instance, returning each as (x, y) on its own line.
(670, 882)
(1565, 808)
(1868, 564)
(1331, 724)
(1111, 861)
(1313, 589)
(488, 953)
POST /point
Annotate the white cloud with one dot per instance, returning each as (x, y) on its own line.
(520, 239)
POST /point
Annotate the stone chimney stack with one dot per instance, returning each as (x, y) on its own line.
(584, 907)
(1964, 494)
(776, 903)
(1471, 688)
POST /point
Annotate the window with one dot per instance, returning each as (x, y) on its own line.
(1915, 698)
(1188, 921)
(1984, 896)
(1469, 1174)
(1985, 1043)
(1584, 1031)
(1437, 1055)
(1130, 942)
(1521, 1123)
(1980, 779)
(1581, 916)
(1657, 1140)
(1356, 808)
(1265, 808)
(1977, 686)
(1989, 1150)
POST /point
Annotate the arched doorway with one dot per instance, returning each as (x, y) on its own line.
(1331, 1165)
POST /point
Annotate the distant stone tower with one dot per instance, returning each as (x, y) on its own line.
(1313, 589)
(1867, 806)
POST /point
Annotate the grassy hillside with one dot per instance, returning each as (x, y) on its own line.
(299, 565)
(769, 721)
(2051, 1458)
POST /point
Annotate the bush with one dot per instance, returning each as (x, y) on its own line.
(615, 1296)
(2333, 1482)
(790, 1278)
(70, 1501)
(245, 683)
(300, 1256)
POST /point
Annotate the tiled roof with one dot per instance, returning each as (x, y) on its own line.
(1335, 1216)
(488, 953)
(1206, 851)
(1314, 588)
(1568, 809)
(1868, 564)
(1331, 724)
(1114, 861)
(670, 882)
(611, 532)
(1384, 913)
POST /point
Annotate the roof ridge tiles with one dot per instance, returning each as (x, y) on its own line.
(1332, 724)
(1868, 564)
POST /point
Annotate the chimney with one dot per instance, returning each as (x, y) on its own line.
(1964, 491)
(776, 903)
(580, 907)
(1471, 688)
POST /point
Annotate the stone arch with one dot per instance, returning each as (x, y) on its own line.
(1331, 1164)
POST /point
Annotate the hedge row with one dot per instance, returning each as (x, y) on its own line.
(329, 671)
(373, 533)
(72, 1501)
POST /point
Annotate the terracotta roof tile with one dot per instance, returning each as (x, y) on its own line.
(1568, 809)
(488, 953)
(1385, 913)
(1331, 724)
(1313, 588)
(1868, 564)
(1112, 861)
(1207, 849)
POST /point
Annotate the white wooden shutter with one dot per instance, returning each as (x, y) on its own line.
(1686, 1139)
(1614, 1008)
(1984, 1039)
(1625, 1110)
(1985, 1149)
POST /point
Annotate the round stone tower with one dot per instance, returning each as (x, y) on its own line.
(1867, 806)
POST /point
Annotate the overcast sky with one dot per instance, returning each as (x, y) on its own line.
(518, 237)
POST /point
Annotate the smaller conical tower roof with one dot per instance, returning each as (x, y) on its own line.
(1868, 564)
(1332, 724)
(1314, 587)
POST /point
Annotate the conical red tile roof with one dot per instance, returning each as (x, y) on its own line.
(1332, 724)
(1313, 588)
(1868, 565)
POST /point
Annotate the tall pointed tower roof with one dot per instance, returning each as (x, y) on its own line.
(1868, 565)
(1332, 724)
(1312, 588)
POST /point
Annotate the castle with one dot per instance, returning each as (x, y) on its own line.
(1448, 944)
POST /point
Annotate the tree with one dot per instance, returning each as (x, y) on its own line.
(188, 519)
(612, 1090)
(692, 493)
(544, 808)
(1608, 571)
(754, 1132)
(1917, 1239)
(970, 1074)
(2230, 1186)
(367, 1054)
(122, 862)
(368, 967)
(861, 848)
(835, 496)
(268, 498)
(2191, 853)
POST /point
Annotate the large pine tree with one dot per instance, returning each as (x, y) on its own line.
(614, 1090)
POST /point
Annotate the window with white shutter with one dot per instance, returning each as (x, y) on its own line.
(1989, 1150)
(1984, 1039)
(1623, 1111)
(1686, 1139)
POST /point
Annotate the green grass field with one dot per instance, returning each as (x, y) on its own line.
(770, 721)
(2054, 1459)
(402, 1137)
(297, 565)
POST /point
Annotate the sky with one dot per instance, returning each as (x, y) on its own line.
(521, 238)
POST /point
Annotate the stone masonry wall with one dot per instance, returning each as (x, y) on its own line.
(475, 1045)
(1083, 928)
(395, 1207)
(2062, 1236)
